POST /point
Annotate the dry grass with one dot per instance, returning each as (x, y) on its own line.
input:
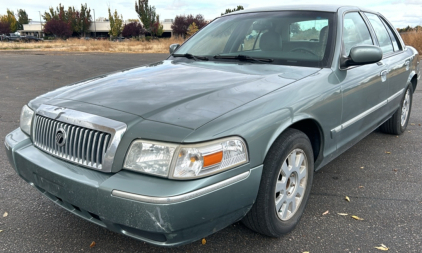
(77, 45)
(413, 39)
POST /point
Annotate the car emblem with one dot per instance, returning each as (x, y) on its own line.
(61, 137)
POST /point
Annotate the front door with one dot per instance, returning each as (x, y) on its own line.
(364, 88)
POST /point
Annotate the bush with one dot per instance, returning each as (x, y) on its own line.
(59, 28)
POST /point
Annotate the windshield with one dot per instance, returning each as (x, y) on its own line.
(302, 38)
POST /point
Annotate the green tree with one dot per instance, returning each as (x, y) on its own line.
(157, 27)
(79, 20)
(22, 18)
(192, 29)
(295, 28)
(116, 23)
(10, 19)
(238, 8)
(84, 19)
(146, 14)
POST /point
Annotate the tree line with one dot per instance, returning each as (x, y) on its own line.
(11, 22)
(65, 22)
(417, 28)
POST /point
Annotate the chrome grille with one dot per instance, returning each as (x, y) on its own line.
(83, 146)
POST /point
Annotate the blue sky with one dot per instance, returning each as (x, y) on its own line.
(400, 12)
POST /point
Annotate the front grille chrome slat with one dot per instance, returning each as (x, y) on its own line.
(99, 148)
(105, 146)
(83, 146)
(93, 161)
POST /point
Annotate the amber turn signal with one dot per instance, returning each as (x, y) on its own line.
(213, 159)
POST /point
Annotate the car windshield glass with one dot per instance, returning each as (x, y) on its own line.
(302, 38)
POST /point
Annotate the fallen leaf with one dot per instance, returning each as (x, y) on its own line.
(382, 247)
(419, 124)
(356, 217)
(362, 167)
(342, 214)
(204, 241)
(306, 252)
(394, 169)
(1, 231)
(387, 152)
(412, 124)
(92, 245)
(347, 198)
(361, 186)
(326, 212)
(5, 214)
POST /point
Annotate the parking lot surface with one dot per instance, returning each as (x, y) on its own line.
(381, 175)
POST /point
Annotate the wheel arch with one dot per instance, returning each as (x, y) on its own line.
(312, 129)
(414, 82)
(413, 79)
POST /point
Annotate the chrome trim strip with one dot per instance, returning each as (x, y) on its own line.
(363, 115)
(182, 197)
(6, 144)
(115, 128)
(395, 95)
(366, 113)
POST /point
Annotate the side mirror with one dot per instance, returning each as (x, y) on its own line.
(173, 47)
(362, 55)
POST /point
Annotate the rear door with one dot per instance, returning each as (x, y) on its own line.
(394, 57)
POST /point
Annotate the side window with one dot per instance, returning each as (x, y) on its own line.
(355, 32)
(392, 36)
(382, 34)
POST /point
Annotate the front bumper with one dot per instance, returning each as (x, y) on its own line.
(159, 211)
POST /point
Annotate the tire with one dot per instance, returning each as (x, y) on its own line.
(398, 122)
(282, 182)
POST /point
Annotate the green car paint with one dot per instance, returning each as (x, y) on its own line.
(187, 101)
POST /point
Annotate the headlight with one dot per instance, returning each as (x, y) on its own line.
(186, 161)
(26, 119)
(150, 157)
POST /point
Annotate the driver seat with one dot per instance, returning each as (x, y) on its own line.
(270, 41)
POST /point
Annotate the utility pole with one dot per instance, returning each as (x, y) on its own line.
(39, 34)
(95, 26)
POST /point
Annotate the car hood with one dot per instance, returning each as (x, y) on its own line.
(181, 93)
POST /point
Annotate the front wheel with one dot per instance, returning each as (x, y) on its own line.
(285, 185)
(398, 122)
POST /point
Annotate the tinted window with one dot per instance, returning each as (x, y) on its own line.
(302, 38)
(309, 30)
(355, 32)
(392, 36)
(382, 34)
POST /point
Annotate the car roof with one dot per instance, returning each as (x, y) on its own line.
(315, 7)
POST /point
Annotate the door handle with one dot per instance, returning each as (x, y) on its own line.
(383, 75)
(407, 63)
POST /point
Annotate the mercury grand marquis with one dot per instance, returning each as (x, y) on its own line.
(231, 126)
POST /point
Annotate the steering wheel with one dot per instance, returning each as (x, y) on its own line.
(303, 50)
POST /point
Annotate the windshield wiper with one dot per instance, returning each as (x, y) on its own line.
(191, 56)
(242, 57)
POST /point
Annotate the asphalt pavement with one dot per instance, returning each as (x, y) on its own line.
(381, 175)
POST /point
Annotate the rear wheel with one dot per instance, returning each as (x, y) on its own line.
(285, 185)
(398, 122)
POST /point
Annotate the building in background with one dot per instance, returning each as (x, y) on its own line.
(34, 28)
(167, 31)
(98, 29)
